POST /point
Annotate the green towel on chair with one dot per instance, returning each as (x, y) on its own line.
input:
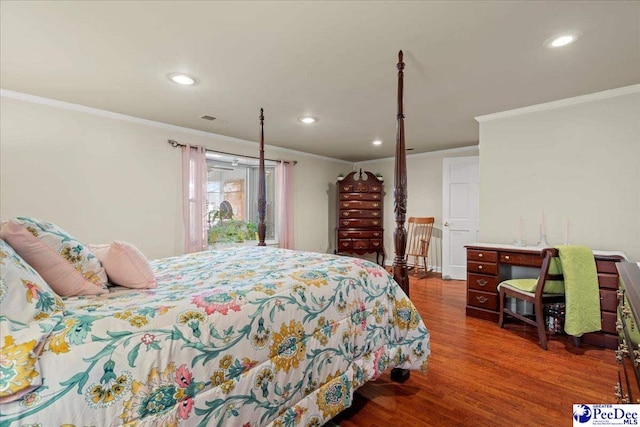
(582, 294)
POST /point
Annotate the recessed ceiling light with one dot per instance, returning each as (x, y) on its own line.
(182, 79)
(377, 142)
(561, 40)
(307, 120)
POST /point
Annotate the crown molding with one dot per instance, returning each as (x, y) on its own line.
(561, 103)
(425, 154)
(4, 93)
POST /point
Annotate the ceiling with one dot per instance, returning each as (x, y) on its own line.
(332, 60)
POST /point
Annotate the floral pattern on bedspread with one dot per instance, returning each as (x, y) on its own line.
(248, 336)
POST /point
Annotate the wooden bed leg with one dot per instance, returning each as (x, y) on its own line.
(399, 375)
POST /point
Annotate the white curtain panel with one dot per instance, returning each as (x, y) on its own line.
(194, 190)
(284, 175)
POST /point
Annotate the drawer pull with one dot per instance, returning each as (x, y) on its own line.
(620, 398)
(479, 267)
(345, 222)
(376, 244)
(376, 234)
(375, 205)
(481, 299)
(375, 222)
(345, 213)
(481, 282)
(622, 352)
(345, 244)
(345, 188)
(507, 257)
(480, 255)
(376, 213)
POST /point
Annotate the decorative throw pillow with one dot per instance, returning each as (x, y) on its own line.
(30, 311)
(125, 265)
(64, 263)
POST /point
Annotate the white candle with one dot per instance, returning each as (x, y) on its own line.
(520, 228)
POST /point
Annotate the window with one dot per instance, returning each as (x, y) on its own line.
(232, 198)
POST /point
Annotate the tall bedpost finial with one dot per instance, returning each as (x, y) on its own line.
(400, 270)
(262, 200)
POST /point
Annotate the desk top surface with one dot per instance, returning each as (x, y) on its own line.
(534, 249)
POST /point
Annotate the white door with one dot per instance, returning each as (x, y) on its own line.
(460, 177)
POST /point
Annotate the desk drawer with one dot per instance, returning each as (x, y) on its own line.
(608, 300)
(609, 281)
(529, 260)
(484, 300)
(483, 283)
(608, 321)
(482, 267)
(478, 255)
(606, 266)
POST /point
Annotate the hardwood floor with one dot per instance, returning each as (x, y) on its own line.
(481, 375)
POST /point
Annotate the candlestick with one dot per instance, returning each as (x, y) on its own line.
(520, 228)
(543, 239)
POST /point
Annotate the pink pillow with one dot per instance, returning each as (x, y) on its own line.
(64, 263)
(125, 265)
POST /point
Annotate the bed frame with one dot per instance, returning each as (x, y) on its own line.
(400, 270)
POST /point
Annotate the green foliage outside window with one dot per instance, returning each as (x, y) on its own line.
(232, 231)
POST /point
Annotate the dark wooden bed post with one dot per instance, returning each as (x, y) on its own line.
(400, 271)
(262, 200)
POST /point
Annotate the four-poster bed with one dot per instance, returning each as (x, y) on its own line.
(246, 336)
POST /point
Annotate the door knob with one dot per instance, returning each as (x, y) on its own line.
(446, 224)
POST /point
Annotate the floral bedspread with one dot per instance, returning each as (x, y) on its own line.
(248, 336)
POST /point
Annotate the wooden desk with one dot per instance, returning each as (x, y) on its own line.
(489, 264)
(627, 389)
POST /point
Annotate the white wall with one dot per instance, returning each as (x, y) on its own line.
(105, 179)
(578, 159)
(424, 193)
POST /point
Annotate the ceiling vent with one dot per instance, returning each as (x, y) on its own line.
(207, 117)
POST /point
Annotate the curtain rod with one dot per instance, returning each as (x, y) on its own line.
(175, 144)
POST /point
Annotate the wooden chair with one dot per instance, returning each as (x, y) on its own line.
(547, 288)
(418, 238)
